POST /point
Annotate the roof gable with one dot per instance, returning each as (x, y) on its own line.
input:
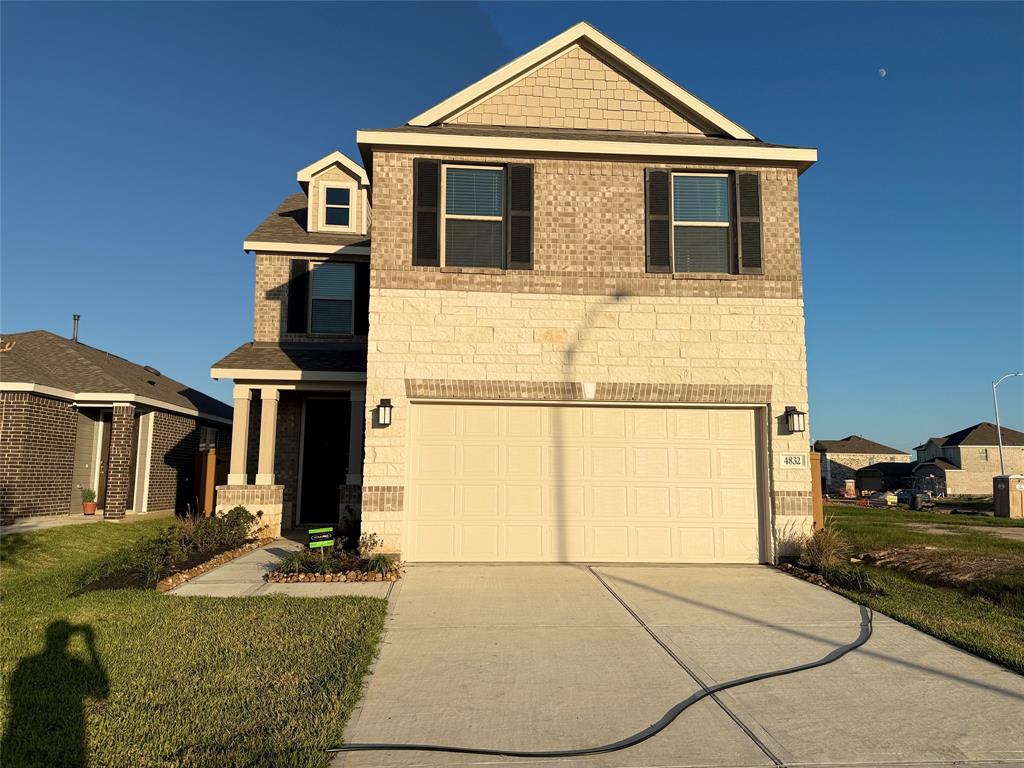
(582, 43)
(854, 444)
(983, 433)
(338, 159)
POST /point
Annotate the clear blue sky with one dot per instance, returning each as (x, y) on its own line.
(143, 141)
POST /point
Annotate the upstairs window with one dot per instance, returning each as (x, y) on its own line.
(331, 299)
(337, 207)
(701, 222)
(472, 224)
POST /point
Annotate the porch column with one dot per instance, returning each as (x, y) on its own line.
(119, 465)
(239, 436)
(357, 423)
(268, 435)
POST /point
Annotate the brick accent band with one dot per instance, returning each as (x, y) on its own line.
(249, 495)
(383, 498)
(626, 392)
(792, 503)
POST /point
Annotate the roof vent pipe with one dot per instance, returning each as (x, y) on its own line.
(74, 331)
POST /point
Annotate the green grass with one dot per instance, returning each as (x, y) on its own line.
(985, 617)
(179, 681)
(968, 502)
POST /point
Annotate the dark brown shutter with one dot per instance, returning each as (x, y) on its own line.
(659, 220)
(520, 216)
(361, 305)
(748, 206)
(298, 296)
(426, 194)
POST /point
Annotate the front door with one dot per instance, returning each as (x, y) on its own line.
(325, 442)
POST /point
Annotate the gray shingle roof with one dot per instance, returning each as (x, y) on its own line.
(46, 359)
(287, 224)
(347, 357)
(937, 462)
(983, 433)
(853, 444)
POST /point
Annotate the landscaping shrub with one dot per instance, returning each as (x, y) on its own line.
(380, 563)
(853, 578)
(824, 549)
(187, 541)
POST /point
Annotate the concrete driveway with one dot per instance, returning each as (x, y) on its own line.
(538, 657)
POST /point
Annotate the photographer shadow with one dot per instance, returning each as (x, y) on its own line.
(46, 695)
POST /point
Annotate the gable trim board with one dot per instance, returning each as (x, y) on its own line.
(306, 174)
(556, 46)
(802, 158)
(345, 250)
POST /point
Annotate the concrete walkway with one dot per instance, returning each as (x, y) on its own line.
(532, 657)
(243, 577)
(57, 521)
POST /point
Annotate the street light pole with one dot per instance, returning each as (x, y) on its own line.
(999, 427)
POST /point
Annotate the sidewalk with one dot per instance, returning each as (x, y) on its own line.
(243, 577)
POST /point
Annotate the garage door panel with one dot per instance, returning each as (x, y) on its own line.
(569, 482)
(480, 460)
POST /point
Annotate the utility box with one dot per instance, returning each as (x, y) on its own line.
(1008, 495)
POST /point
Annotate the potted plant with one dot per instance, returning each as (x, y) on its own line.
(88, 501)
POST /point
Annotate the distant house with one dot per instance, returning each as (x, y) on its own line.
(885, 476)
(73, 417)
(842, 458)
(965, 462)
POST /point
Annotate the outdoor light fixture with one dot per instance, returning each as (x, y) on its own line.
(796, 420)
(384, 412)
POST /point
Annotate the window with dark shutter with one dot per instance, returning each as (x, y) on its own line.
(298, 296)
(426, 194)
(659, 220)
(750, 240)
(362, 299)
(520, 216)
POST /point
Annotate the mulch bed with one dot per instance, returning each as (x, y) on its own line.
(810, 576)
(190, 572)
(945, 567)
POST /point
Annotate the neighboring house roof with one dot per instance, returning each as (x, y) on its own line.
(52, 364)
(936, 462)
(584, 34)
(312, 358)
(287, 224)
(853, 444)
(889, 468)
(983, 433)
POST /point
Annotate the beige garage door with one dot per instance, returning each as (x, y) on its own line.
(583, 483)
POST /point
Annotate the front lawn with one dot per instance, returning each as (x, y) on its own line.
(955, 579)
(133, 677)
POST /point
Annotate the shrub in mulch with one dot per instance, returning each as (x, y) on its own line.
(825, 561)
(185, 545)
(338, 564)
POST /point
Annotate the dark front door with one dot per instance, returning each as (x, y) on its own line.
(325, 439)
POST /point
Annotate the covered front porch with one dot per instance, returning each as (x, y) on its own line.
(298, 454)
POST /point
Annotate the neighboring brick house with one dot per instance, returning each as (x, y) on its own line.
(73, 417)
(840, 459)
(964, 462)
(574, 336)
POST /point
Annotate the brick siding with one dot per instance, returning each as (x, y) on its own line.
(119, 464)
(172, 461)
(37, 446)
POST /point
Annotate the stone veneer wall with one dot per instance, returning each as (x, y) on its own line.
(844, 466)
(587, 312)
(37, 454)
(267, 499)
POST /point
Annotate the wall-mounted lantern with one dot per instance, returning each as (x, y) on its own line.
(796, 420)
(384, 412)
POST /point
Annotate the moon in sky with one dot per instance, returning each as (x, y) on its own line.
(882, 72)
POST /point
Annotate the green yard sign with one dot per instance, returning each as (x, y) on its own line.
(321, 537)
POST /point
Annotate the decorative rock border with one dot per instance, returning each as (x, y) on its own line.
(329, 578)
(801, 573)
(179, 578)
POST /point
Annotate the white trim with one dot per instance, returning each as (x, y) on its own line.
(442, 234)
(267, 245)
(94, 399)
(701, 224)
(98, 455)
(557, 45)
(306, 174)
(353, 192)
(272, 375)
(804, 158)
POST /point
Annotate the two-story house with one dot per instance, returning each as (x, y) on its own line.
(964, 462)
(557, 316)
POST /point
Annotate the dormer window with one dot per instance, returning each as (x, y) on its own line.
(337, 208)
